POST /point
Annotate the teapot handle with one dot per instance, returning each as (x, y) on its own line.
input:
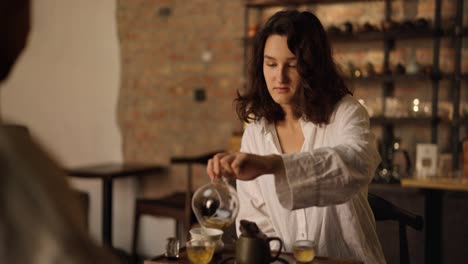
(280, 248)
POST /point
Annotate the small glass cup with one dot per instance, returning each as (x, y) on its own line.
(304, 251)
(172, 248)
(200, 251)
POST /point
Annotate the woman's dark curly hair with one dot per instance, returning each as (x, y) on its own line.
(320, 86)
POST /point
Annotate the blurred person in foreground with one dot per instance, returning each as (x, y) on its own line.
(41, 220)
(308, 155)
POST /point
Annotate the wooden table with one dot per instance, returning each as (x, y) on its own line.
(433, 189)
(107, 172)
(228, 254)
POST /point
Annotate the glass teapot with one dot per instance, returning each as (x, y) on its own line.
(216, 204)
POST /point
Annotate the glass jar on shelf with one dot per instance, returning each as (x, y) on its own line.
(420, 108)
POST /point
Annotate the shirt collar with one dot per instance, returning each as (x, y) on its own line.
(269, 128)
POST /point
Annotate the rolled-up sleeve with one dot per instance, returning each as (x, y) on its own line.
(331, 175)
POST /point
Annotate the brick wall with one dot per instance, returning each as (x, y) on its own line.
(162, 45)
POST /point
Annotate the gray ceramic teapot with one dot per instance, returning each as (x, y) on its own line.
(253, 246)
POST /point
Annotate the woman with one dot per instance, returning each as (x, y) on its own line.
(308, 155)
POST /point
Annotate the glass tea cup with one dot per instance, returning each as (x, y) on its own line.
(172, 248)
(304, 251)
(200, 251)
(211, 234)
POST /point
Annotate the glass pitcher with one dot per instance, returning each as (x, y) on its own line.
(216, 204)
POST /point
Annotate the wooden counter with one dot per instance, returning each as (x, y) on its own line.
(434, 189)
(440, 183)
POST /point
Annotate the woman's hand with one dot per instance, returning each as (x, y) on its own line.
(243, 166)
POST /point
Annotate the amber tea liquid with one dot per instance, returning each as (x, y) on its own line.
(200, 254)
(303, 254)
(219, 223)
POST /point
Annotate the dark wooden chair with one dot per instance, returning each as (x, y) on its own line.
(176, 206)
(384, 210)
(83, 198)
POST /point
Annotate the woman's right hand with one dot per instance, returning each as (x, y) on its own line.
(243, 166)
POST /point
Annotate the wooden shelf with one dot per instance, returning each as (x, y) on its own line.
(381, 120)
(358, 36)
(413, 34)
(421, 120)
(379, 36)
(272, 3)
(399, 77)
(389, 35)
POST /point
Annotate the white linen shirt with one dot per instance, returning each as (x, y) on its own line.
(323, 194)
